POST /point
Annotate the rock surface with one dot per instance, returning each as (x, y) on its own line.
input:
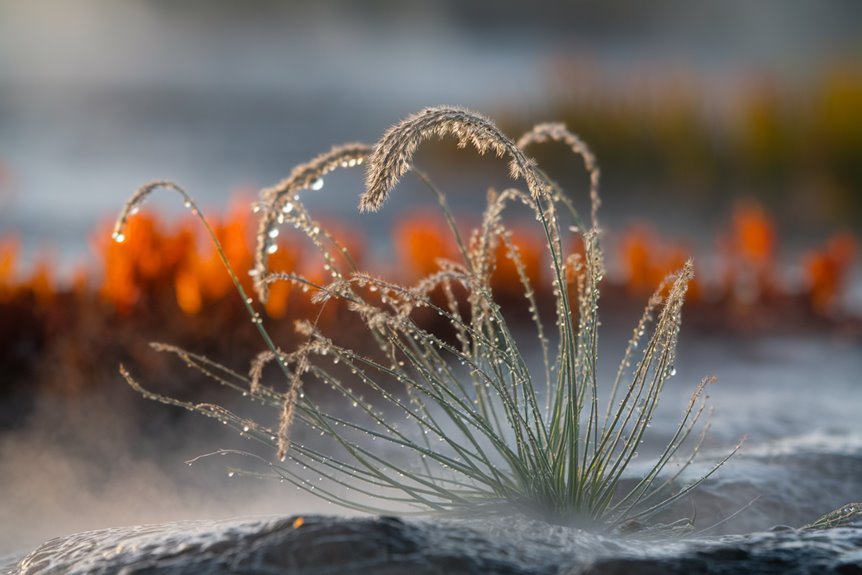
(387, 545)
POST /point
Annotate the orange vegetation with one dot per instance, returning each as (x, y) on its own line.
(151, 256)
(749, 254)
(827, 271)
(647, 260)
(154, 256)
(749, 270)
(40, 282)
(530, 249)
(162, 263)
(8, 259)
(420, 242)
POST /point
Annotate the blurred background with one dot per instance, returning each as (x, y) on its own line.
(728, 130)
(686, 106)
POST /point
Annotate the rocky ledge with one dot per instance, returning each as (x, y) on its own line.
(387, 545)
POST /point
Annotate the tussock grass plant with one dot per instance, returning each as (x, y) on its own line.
(465, 423)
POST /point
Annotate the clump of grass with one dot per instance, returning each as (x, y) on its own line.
(462, 423)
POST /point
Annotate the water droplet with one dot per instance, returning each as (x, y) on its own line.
(230, 474)
(187, 203)
(245, 428)
(272, 248)
(287, 208)
(119, 237)
(273, 233)
(317, 184)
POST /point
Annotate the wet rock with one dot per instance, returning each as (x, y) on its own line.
(317, 545)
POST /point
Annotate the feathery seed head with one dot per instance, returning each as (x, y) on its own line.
(393, 155)
(134, 203)
(557, 132)
(278, 201)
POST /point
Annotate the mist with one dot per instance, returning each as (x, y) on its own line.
(89, 462)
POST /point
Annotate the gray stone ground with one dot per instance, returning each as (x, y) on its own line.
(385, 545)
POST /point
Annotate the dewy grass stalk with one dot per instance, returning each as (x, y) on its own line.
(474, 426)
